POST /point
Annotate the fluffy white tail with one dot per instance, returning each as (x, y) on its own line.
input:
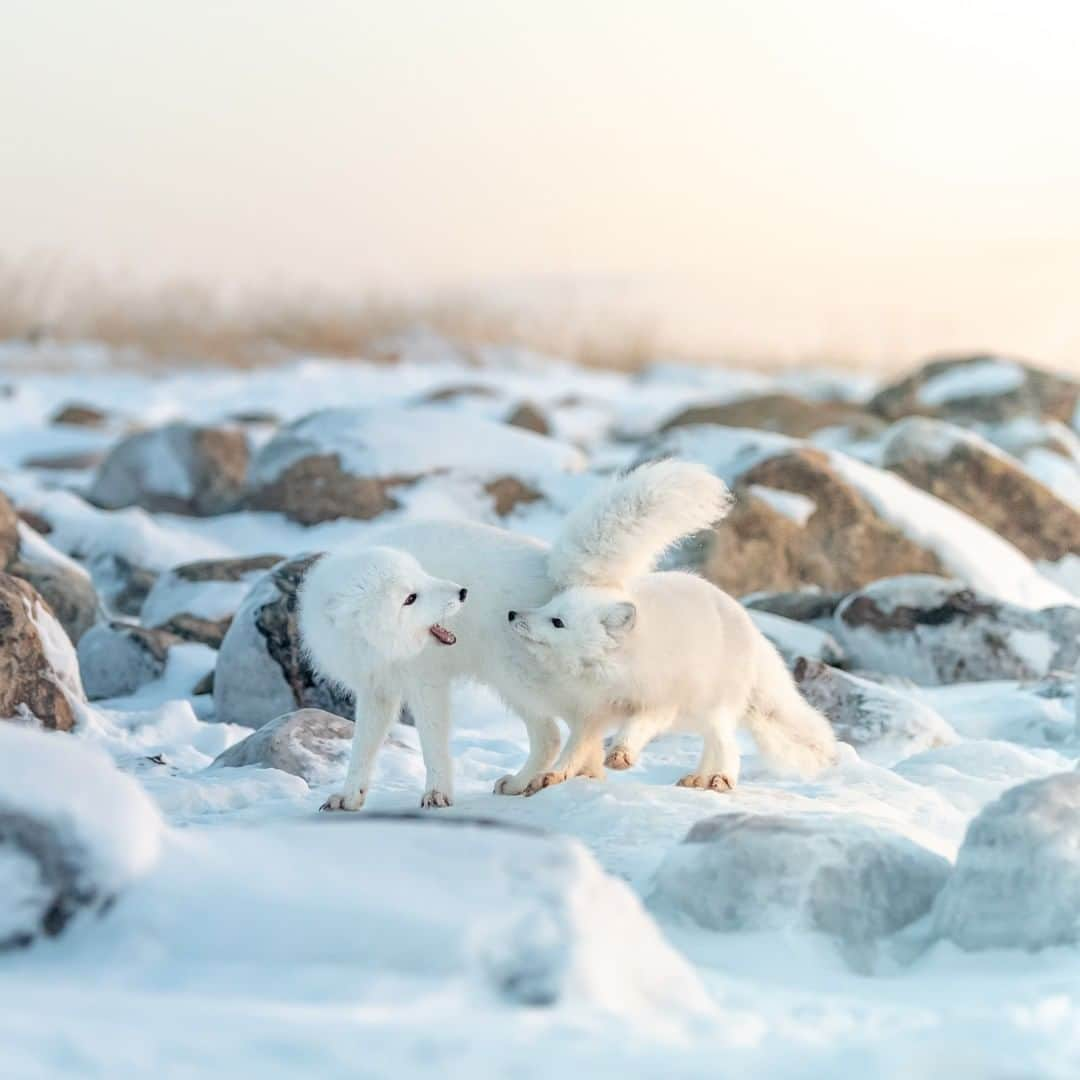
(619, 532)
(790, 733)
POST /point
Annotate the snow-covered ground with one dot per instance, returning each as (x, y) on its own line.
(253, 936)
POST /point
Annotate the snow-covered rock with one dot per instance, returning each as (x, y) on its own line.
(180, 468)
(74, 832)
(349, 462)
(116, 658)
(1017, 878)
(826, 872)
(979, 388)
(881, 723)
(971, 474)
(797, 639)
(261, 671)
(209, 589)
(310, 743)
(39, 672)
(801, 605)
(784, 413)
(933, 630)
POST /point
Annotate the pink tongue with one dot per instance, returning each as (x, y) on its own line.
(440, 633)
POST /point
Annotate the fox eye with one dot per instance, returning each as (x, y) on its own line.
(558, 623)
(410, 599)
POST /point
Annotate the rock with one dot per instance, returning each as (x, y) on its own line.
(841, 544)
(39, 673)
(458, 390)
(211, 589)
(203, 631)
(179, 468)
(1017, 878)
(741, 871)
(9, 532)
(79, 461)
(351, 462)
(41, 525)
(261, 671)
(74, 832)
(983, 389)
(935, 631)
(64, 584)
(883, 725)
(779, 412)
(802, 605)
(508, 493)
(309, 743)
(116, 658)
(974, 476)
(124, 585)
(78, 415)
(795, 640)
(530, 418)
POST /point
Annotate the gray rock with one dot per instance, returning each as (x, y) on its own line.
(1017, 877)
(822, 872)
(209, 589)
(309, 743)
(179, 468)
(262, 672)
(883, 725)
(123, 585)
(116, 658)
(794, 640)
(936, 631)
(802, 605)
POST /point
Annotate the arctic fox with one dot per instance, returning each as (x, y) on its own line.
(364, 616)
(615, 536)
(669, 650)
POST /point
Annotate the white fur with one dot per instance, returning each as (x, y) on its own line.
(672, 651)
(619, 532)
(361, 628)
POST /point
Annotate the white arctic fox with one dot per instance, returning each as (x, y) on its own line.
(363, 615)
(616, 536)
(669, 650)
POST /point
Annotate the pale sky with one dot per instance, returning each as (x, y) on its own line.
(874, 177)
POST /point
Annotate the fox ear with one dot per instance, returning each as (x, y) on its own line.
(618, 619)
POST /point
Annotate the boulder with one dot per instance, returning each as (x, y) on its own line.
(124, 585)
(933, 631)
(116, 658)
(201, 631)
(77, 414)
(984, 389)
(77, 461)
(530, 418)
(508, 493)
(310, 743)
(39, 673)
(973, 475)
(261, 671)
(824, 872)
(839, 545)
(1017, 878)
(351, 462)
(784, 413)
(74, 832)
(796, 640)
(802, 605)
(884, 725)
(210, 589)
(180, 468)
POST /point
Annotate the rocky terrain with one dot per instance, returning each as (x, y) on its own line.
(912, 549)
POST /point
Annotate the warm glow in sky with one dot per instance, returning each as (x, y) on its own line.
(878, 177)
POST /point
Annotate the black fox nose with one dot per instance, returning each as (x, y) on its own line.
(462, 593)
(511, 615)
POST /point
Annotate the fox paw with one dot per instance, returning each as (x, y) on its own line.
(619, 757)
(711, 782)
(509, 785)
(435, 799)
(342, 802)
(544, 780)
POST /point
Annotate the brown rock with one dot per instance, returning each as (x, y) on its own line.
(88, 459)
(225, 569)
(529, 417)
(507, 492)
(783, 413)
(316, 489)
(987, 485)
(458, 390)
(1038, 393)
(193, 628)
(79, 415)
(29, 683)
(843, 545)
(36, 522)
(9, 532)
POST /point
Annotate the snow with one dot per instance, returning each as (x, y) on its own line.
(252, 935)
(792, 505)
(983, 378)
